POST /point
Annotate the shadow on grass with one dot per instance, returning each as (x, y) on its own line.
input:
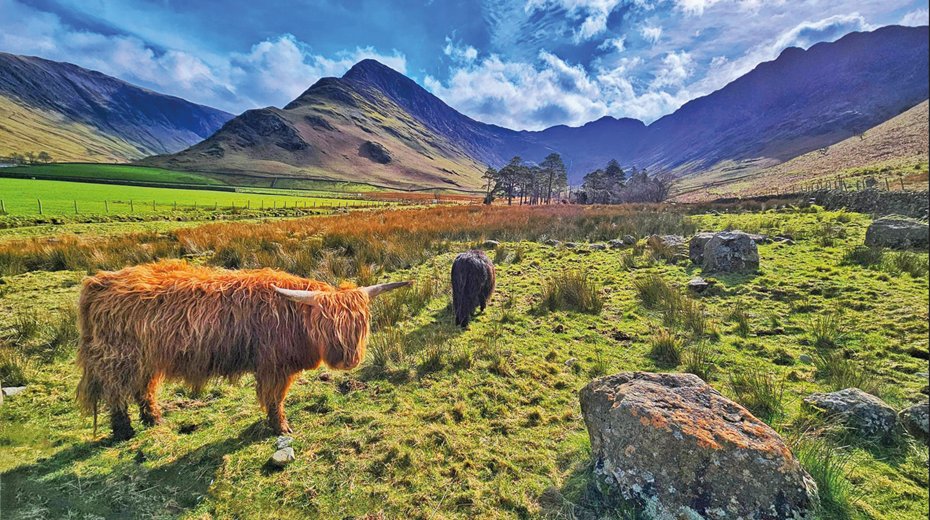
(72, 484)
(581, 498)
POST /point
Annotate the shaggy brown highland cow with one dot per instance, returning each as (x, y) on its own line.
(472, 284)
(172, 320)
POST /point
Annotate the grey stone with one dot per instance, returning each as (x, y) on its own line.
(759, 239)
(915, 420)
(490, 244)
(570, 362)
(897, 233)
(616, 243)
(806, 359)
(10, 391)
(598, 247)
(681, 449)
(282, 442)
(665, 241)
(282, 457)
(571, 245)
(696, 247)
(552, 242)
(698, 284)
(629, 240)
(730, 252)
(861, 412)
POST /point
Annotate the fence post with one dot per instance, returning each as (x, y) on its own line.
(106, 206)
(40, 205)
(153, 205)
(2, 207)
(215, 205)
(248, 204)
(887, 186)
(902, 183)
(132, 208)
(175, 205)
(75, 207)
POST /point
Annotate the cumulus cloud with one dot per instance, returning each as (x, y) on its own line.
(676, 68)
(694, 7)
(916, 18)
(458, 52)
(613, 44)
(272, 72)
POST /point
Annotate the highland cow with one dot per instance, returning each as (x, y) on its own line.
(472, 284)
(171, 320)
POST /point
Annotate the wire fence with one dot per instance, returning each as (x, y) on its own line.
(886, 183)
(58, 206)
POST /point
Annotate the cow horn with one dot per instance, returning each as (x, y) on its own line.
(375, 290)
(308, 297)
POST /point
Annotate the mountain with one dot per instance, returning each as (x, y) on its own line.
(376, 125)
(77, 114)
(800, 102)
(897, 146)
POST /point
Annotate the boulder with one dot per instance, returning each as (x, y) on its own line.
(915, 420)
(629, 240)
(10, 391)
(680, 449)
(598, 247)
(658, 241)
(861, 412)
(552, 242)
(897, 233)
(696, 247)
(283, 442)
(616, 243)
(730, 252)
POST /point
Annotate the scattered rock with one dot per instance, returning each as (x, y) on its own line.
(616, 243)
(915, 420)
(682, 450)
(897, 233)
(283, 442)
(570, 362)
(656, 241)
(806, 359)
(552, 242)
(696, 247)
(10, 391)
(759, 239)
(629, 240)
(730, 251)
(598, 247)
(698, 285)
(490, 244)
(571, 245)
(859, 411)
(559, 328)
(282, 457)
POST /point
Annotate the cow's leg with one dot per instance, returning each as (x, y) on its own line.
(149, 411)
(272, 388)
(120, 422)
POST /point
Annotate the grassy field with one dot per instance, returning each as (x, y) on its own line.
(113, 172)
(22, 196)
(482, 423)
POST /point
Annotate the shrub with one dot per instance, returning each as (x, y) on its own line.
(759, 391)
(665, 348)
(572, 290)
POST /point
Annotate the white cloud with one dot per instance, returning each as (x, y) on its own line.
(676, 68)
(916, 18)
(613, 44)
(460, 53)
(694, 7)
(651, 33)
(592, 14)
(273, 72)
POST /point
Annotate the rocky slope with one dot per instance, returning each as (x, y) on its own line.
(82, 115)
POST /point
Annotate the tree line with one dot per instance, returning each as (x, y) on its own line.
(29, 158)
(547, 182)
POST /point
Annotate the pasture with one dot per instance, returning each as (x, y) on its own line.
(58, 198)
(441, 422)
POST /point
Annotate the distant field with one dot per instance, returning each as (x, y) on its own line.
(22, 196)
(113, 172)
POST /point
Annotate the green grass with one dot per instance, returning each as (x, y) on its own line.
(113, 172)
(22, 196)
(484, 422)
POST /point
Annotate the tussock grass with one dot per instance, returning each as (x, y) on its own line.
(700, 359)
(13, 367)
(825, 331)
(740, 317)
(828, 466)
(907, 262)
(838, 372)
(760, 391)
(654, 291)
(665, 348)
(572, 290)
(62, 335)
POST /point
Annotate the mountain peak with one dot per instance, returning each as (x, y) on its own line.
(369, 69)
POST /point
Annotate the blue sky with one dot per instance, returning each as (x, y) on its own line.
(524, 64)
